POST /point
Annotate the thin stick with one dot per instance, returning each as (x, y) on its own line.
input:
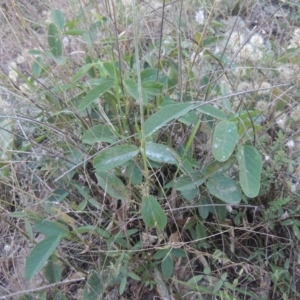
(45, 287)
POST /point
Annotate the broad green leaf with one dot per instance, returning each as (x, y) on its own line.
(201, 231)
(53, 270)
(99, 133)
(37, 67)
(82, 205)
(54, 40)
(224, 140)
(94, 287)
(58, 195)
(49, 228)
(167, 266)
(58, 18)
(204, 207)
(152, 88)
(217, 167)
(98, 91)
(225, 189)
(132, 89)
(190, 118)
(212, 111)
(152, 213)
(40, 254)
(81, 72)
(195, 279)
(190, 194)
(134, 173)
(161, 153)
(188, 182)
(250, 165)
(114, 157)
(112, 185)
(95, 203)
(149, 74)
(165, 115)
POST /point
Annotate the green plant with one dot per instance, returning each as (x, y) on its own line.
(127, 198)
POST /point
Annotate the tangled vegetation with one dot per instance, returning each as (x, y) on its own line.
(151, 150)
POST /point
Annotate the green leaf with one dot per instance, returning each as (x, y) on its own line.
(94, 287)
(161, 153)
(217, 167)
(132, 89)
(54, 40)
(287, 222)
(212, 111)
(165, 115)
(6, 139)
(59, 295)
(99, 133)
(134, 276)
(201, 231)
(188, 182)
(40, 254)
(296, 231)
(250, 164)
(74, 32)
(17, 214)
(123, 285)
(58, 195)
(36, 67)
(81, 72)
(204, 207)
(104, 85)
(172, 79)
(114, 157)
(225, 189)
(134, 173)
(49, 228)
(29, 230)
(58, 18)
(167, 266)
(152, 213)
(149, 74)
(224, 140)
(112, 185)
(218, 285)
(53, 270)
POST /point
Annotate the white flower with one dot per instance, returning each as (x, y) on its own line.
(6, 248)
(199, 17)
(257, 40)
(24, 87)
(261, 105)
(267, 157)
(65, 41)
(264, 85)
(13, 75)
(20, 59)
(290, 144)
